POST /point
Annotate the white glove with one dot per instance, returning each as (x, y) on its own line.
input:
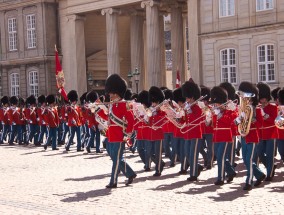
(146, 118)
(201, 104)
(262, 112)
(231, 106)
(217, 111)
(238, 120)
(208, 119)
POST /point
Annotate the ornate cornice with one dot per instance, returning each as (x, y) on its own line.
(150, 3)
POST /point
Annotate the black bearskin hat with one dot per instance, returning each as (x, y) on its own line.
(264, 91)
(143, 98)
(190, 90)
(5, 100)
(230, 90)
(72, 96)
(248, 87)
(31, 100)
(41, 99)
(218, 95)
(281, 96)
(177, 94)
(134, 96)
(21, 101)
(83, 98)
(156, 95)
(205, 91)
(92, 96)
(168, 94)
(115, 84)
(274, 93)
(50, 99)
(128, 94)
(164, 88)
(14, 100)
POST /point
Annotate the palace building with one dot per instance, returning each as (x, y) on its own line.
(224, 40)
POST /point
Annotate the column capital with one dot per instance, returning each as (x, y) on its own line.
(75, 17)
(110, 11)
(150, 3)
(138, 13)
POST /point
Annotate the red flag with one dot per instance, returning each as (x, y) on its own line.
(60, 81)
(178, 80)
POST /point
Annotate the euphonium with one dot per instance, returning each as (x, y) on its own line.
(279, 121)
(246, 107)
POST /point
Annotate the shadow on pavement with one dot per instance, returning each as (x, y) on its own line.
(176, 185)
(88, 178)
(81, 196)
(237, 192)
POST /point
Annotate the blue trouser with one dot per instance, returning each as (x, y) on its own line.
(210, 148)
(65, 129)
(192, 148)
(157, 159)
(140, 144)
(223, 164)
(85, 135)
(249, 153)
(59, 132)
(24, 133)
(175, 146)
(51, 136)
(184, 162)
(265, 151)
(16, 129)
(230, 152)
(6, 129)
(73, 130)
(34, 132)
(280, 145)
(116, 150)
(43, 130)
(167, 141)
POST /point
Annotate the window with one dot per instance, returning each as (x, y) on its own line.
(226, 8)
(15, 84)
(33, 83)
(264, 5)
(228, 66)
(31, 30)
(266, 63)
(12, 31)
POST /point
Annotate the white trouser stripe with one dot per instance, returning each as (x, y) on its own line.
(223, 162)
(160, 157)
(274, 145)
(194, 160)
(117, 163)
(250, 164)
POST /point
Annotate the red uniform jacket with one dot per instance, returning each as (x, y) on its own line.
(177, 131)
(206, 129)
(155, 124)
(4, 114)
(31, 115)
(40, 119)
(234, 127)
(267, 129)
(91, 120)
(51, 117)
(193, 129)
(222, 131)
(119, 110)
(16, 116)
(74, 115)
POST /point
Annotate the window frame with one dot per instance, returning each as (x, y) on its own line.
(33, 85)
(227, 8)
(266, 63)
(228, 66)
(14, 88)
(31, 31)
(12, 34)
(264, 4)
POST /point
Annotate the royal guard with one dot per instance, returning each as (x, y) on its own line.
(120, 126)
(31, 116)
(74, 120)
(267, 131)
(15, 117)
(222, 133)
(42, 124)
(23, 122)
(207, 131)
(281, 128)
(178, 152)
(94, 132)
(248, 123)
(63, 117)
(4, 114)
(51, 118)
(231, 106)
(168, 127)
(192, 131)
(84, 128)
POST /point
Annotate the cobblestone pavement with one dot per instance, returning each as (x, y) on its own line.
(34, 181)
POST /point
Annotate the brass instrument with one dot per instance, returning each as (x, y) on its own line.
(279, 121)
(173, 115)
(151, 110)
(246, 107)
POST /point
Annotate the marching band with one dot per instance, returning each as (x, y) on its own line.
(182, 123)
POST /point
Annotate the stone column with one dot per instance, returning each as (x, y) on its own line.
(177, 42)
(194, 41)
(137, 45)
(113, 59)
(74, 54)
(163, 51)
(153, 48)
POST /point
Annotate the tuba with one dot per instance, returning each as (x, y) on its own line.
(246, 107)
(279, 121)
